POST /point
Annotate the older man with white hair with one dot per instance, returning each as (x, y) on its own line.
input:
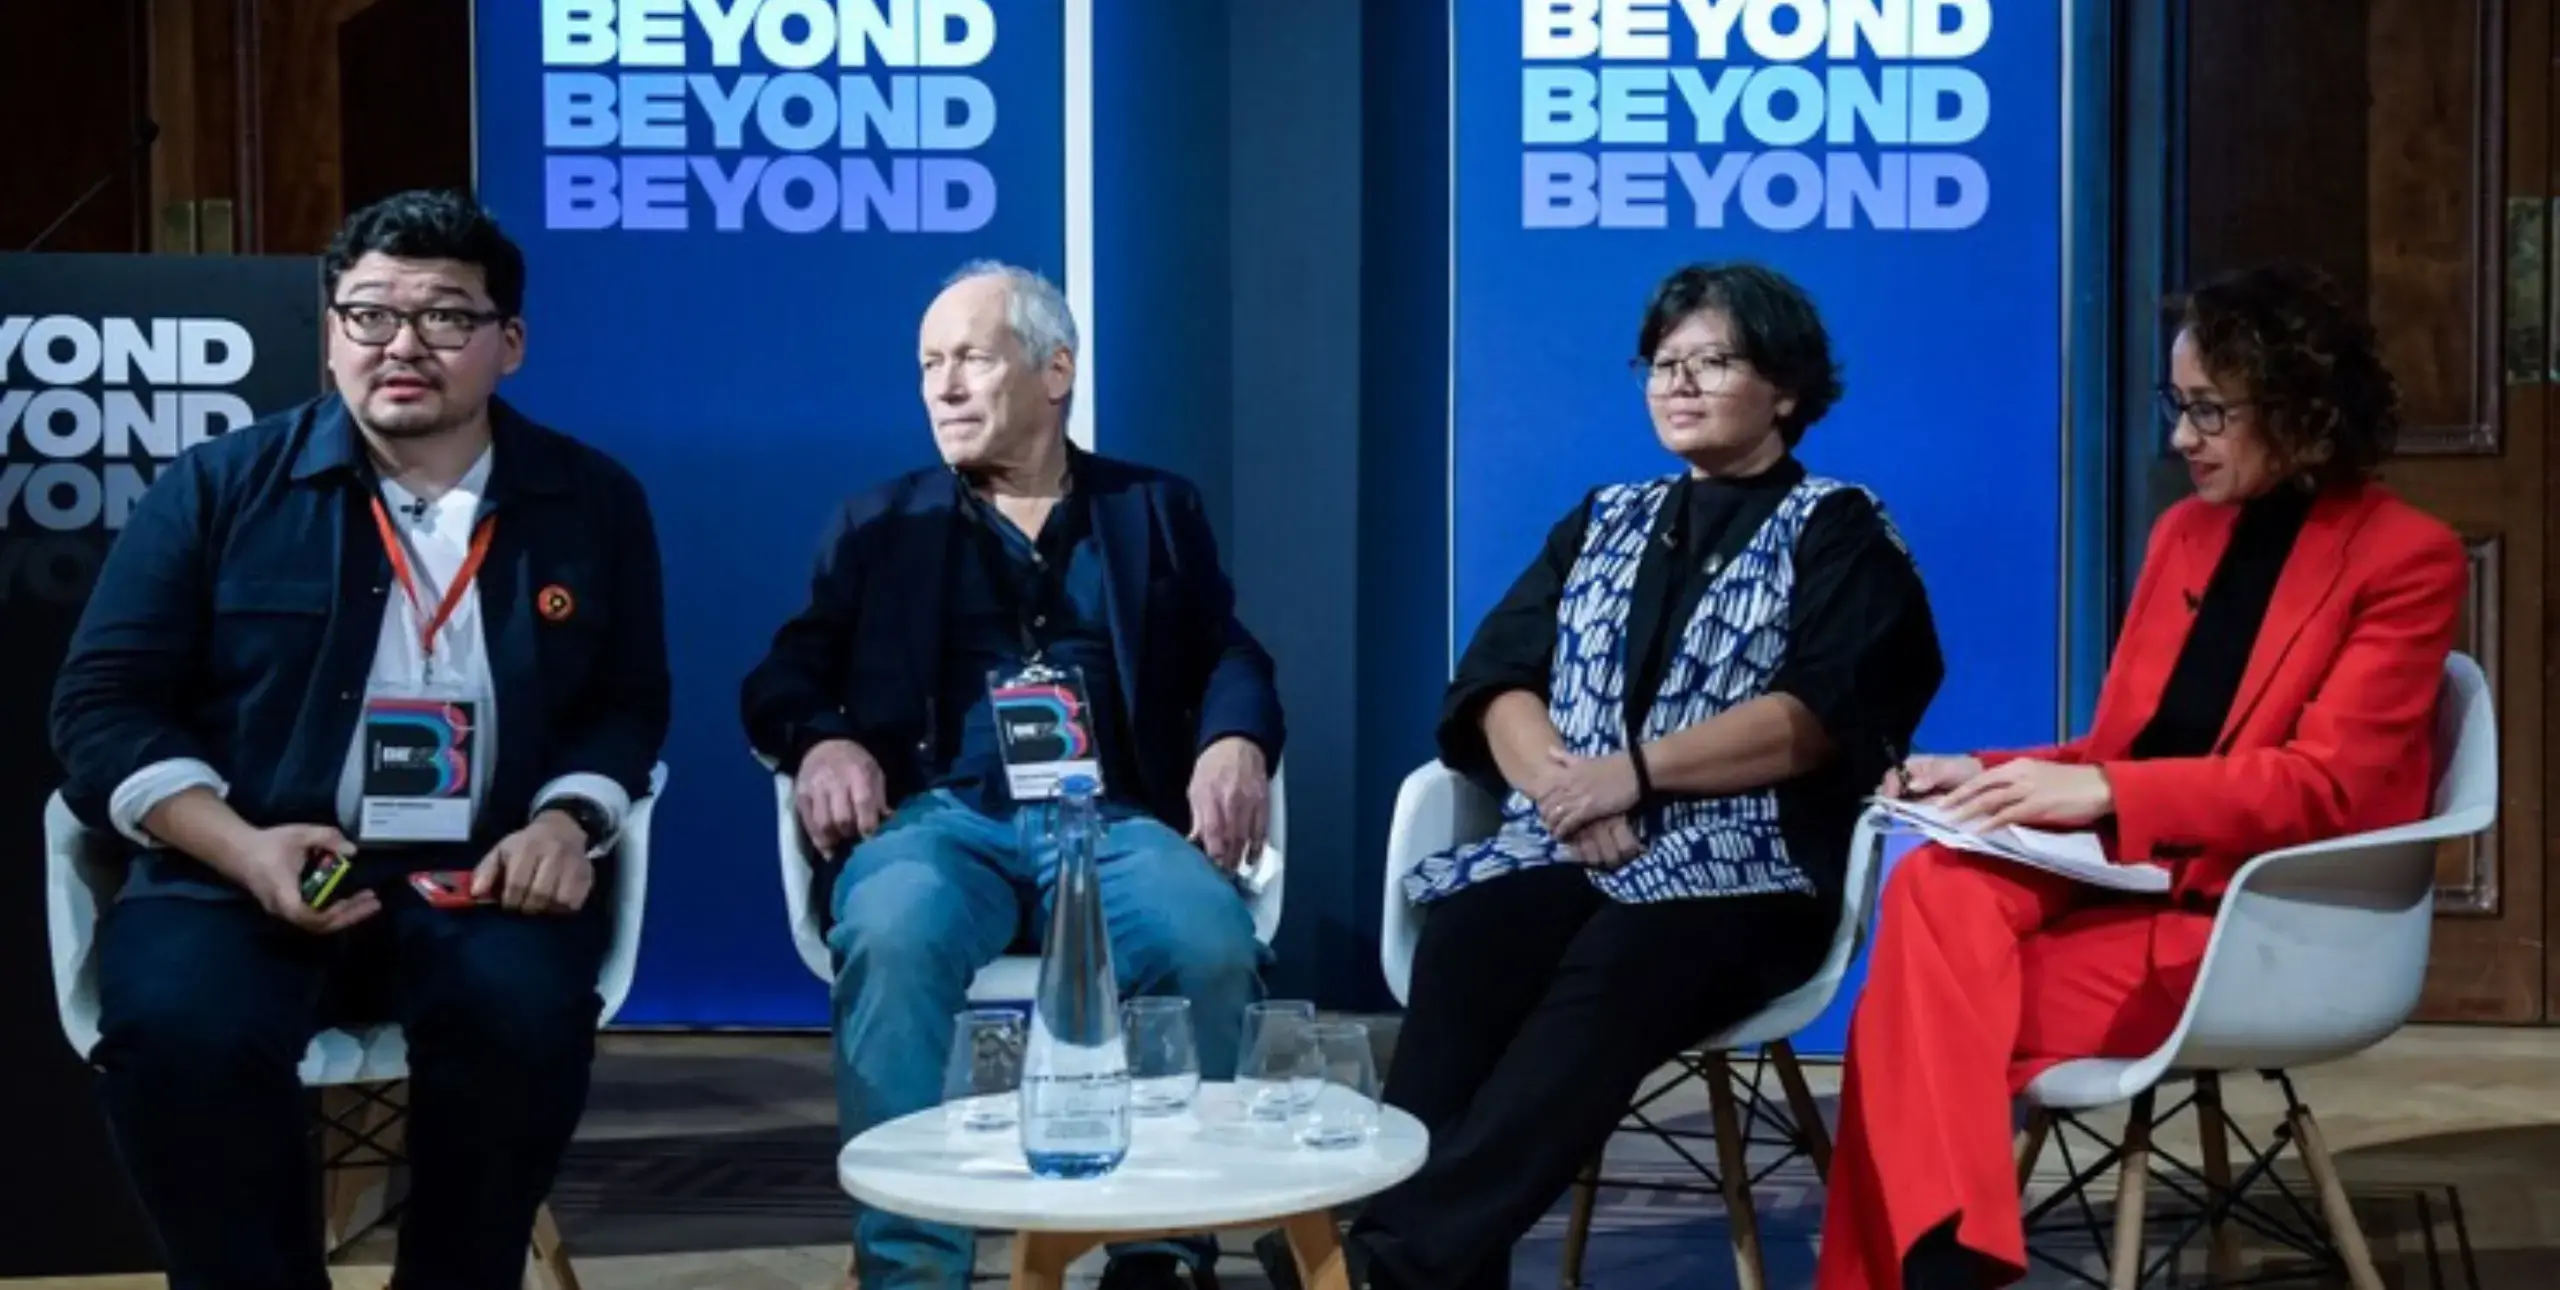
(1023, 559)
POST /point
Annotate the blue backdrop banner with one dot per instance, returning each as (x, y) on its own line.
(1900, 158)
(734, 215)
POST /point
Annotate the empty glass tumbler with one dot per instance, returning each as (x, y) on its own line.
(982, 1079)
(1275, 1077)
(1164, 1057)
(1344, 1109)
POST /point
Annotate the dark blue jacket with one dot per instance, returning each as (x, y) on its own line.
(860, 661)
(236, 617)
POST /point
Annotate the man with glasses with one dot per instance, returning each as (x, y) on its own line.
(401, 626)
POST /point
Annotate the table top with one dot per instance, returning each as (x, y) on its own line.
(1204, 1168)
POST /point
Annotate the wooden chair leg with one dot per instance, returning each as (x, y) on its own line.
(2031, 1145)
(2124, 1263)
(1734, 1165)
(2223, 1253)
(2333, 1200)
(1811, 1133)
(1577, 1230)
(1040, 1259)
(1316, 1246)
(548, 1268)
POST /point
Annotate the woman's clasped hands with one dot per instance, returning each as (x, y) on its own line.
(1587, 803)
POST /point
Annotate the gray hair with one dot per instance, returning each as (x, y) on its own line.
(1034, 308)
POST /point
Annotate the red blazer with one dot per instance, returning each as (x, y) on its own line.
(2329, 734)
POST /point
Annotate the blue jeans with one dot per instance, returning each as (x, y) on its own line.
(940, 892)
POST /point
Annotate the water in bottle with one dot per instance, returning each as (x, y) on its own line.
(1075, 1072)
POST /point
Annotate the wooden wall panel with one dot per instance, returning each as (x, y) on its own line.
(295, 73)
(72, 88)
(404, 98)
(2276, 136)
(355, 100)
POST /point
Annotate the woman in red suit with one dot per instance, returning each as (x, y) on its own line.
(2278, 664)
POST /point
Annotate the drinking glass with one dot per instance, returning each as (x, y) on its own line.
(1164, 1060)
(1344, 1109)
(982, 1079)
(1275, 1077)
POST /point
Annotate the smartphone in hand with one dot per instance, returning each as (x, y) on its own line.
(321, 874)
(446, 888)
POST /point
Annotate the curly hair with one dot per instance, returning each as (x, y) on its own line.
(2283, 337)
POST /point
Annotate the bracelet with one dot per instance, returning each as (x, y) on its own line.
(1644, 774)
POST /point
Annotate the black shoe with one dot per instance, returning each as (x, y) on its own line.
(1938, 1262)
(1155, 1270)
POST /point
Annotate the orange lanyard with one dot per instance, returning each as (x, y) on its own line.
(462, 577)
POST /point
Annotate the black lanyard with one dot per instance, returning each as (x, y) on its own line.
(1025, 604)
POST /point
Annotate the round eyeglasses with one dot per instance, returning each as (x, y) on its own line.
(1707, 371)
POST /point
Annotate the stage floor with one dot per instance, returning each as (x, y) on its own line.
(706, 1161)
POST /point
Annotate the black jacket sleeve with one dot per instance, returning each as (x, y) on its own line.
(795, 699)
(120, 698)
(1512, 649)
(1862, 648)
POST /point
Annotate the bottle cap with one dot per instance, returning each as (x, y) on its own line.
(1077, 786)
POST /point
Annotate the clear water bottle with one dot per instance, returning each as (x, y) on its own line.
(1075, 1071)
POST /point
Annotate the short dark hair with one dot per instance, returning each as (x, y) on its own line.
(1780, 331)
(431, 225)
(2286, 336)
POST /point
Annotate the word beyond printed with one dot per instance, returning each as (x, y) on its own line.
(1777, 114)
(90, 408)
(795, 116)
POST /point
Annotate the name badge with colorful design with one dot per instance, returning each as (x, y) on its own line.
(1044, 729)
(420, 757)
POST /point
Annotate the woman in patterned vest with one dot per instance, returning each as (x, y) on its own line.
(1685, 698)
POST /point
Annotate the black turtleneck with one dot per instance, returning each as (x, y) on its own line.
(1705, 522)
(2206, 678)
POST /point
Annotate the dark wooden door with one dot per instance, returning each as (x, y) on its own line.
(282, 115)
(2405, 145)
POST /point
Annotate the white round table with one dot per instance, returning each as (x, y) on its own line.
(1200, 1171)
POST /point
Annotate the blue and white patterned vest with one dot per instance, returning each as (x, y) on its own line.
(1732, 646)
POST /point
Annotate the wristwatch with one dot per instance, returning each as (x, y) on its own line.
(588, 816)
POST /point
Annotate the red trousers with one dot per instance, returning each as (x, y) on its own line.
(1982, 974)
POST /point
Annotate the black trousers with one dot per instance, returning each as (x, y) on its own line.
(1538, 1008)
(207, 1006)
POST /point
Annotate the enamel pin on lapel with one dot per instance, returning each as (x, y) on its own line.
(555, 603)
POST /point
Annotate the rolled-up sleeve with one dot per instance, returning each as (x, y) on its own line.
(1862, 648)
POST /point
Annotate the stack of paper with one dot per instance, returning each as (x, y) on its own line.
(2078, 856)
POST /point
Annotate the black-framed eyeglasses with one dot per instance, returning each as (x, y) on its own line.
(438, 327)
(2210, 417)
(1708, 370)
